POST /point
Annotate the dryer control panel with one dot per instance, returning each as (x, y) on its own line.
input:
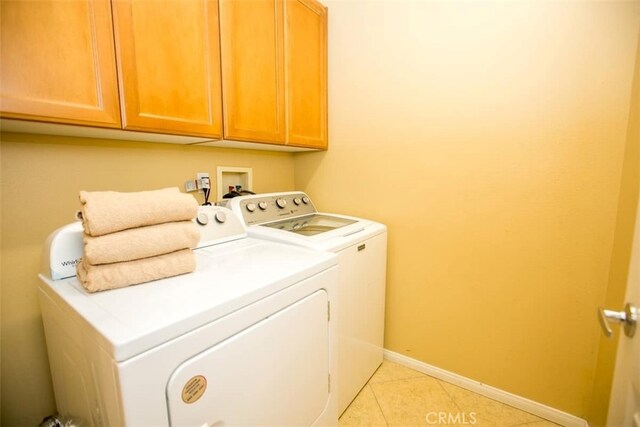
(263, 208)
(218, 225)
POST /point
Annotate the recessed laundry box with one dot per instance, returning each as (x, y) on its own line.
(247, 339)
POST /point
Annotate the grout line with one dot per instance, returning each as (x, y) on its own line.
(378, 403)
(401, 379)
(493, 400)
(455, 401)
(418, 374)
(521, 403)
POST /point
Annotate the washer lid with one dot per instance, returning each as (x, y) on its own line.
(228, 276)
(333, 240)
(310, 225)
(291, 217)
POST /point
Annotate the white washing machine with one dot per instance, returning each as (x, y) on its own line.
(361, 246)
(247, 339)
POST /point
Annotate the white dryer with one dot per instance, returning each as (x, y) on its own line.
(361, 246)
(247, 339)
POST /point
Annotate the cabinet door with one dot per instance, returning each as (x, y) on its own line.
(306, 53)
(169, 66)
(253, 69)
(58, 62)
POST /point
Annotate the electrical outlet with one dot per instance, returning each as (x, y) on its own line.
(190, 186)
(203, 181)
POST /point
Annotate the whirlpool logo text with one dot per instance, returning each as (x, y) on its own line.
(71, 263)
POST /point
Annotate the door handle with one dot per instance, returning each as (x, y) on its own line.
(629, 317)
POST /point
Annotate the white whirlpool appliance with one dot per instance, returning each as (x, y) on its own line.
(247, 339)
(361, 246)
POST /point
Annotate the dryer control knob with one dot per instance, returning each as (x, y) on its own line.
(202, 218)
(281, 203)
(262, 205)
(220, 217)
(296, 201)
(251, 207)
(305, 200)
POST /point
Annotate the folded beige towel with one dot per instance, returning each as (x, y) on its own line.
(120, 274)
(141, 242)
(106, 212)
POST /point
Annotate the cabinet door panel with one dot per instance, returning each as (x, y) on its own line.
(169, 60)
(306, 53)
(253, 69)
(58, 62)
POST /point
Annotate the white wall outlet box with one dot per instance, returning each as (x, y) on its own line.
(190, 186)
(228, 176)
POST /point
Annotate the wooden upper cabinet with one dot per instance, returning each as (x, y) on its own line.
(58, 62)
(169, 58)
(170, 66)
(274, 71)
(252, 48)
(306, 53)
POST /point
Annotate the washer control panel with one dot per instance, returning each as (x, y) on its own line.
(263, 208)
(218, 225)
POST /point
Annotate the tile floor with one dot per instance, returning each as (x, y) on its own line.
(399, 396)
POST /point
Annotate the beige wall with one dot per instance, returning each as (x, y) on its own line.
(621, 255)
(501, 126)
(489, 137)
(41, 178)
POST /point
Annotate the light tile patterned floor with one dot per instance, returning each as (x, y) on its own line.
(399, 396)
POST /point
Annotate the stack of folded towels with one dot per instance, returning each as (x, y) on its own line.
(132, 238)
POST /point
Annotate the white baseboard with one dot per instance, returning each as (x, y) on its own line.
(535, 408)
